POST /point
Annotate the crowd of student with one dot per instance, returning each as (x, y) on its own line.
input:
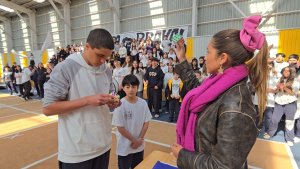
(283, 97)
(27, 79)
(153, 62)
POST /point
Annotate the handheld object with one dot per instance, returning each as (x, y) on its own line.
(176, 38)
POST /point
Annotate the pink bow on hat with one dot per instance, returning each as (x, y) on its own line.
(250, 37)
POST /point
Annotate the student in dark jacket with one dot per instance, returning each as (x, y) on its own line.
(41, 78)
(154, 77)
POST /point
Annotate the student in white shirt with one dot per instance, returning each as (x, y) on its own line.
(118, 75)
(18, 76)
(132, 120)
(27, 73)
(280, 63)
(166, 44)
(285, 103)
(271, 89)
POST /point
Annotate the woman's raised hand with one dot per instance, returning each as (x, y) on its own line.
(180, 50)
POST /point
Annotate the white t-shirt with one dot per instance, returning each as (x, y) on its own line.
(166, 45)
(272, 82)
(279, 66)
(122, 52)
(173, 55)
(144, 59)
(18, 77)
(140, 77)
(132, 117)
(283, 98)
(118, 75)
(26, 75)
(7, 76)
(175, 87)
(168, 76)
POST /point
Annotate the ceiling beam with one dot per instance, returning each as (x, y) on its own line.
(62, 1)
(268, 13)
(116, 11)
(16, 6)
(3, 18)
(237, 8)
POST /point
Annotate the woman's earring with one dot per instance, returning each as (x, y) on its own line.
(221, 70)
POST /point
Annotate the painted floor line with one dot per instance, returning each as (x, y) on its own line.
(39, 161)
(291, 157)
(26, 111)
(12, 115)
(28, 129)
(33, 101)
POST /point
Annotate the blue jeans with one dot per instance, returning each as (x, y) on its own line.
(131, 160)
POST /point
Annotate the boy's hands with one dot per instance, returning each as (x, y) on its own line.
(102, 99)
(137, 143)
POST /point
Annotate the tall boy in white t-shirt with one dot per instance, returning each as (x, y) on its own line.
(132, 120)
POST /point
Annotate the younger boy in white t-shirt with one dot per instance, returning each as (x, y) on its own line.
(132, 120)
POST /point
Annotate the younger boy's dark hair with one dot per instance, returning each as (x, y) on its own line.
(280, 54)
(100, 38)
(130, 80)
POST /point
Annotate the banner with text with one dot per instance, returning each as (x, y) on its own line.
(156, 35)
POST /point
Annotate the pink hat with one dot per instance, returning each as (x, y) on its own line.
(250, 37)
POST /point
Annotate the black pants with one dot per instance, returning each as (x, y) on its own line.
(100, 162)
(11, 86)
(36, 85)
(154, 99)
(174, 107)
(41, 88)
(130, 161)
(21, 89)
(27, 88)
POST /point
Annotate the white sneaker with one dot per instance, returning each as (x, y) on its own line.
(156, 115)
(289, 143)
(297, 140)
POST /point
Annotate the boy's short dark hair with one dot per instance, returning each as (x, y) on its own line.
(130, 80)
(100, 38)
(294, 56)
(280, 54)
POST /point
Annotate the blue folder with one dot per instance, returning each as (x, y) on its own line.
(160, 165)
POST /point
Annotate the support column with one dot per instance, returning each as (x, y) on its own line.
(7, 29)
(194, 18)
(33, 36)
(67, 20)
(116, 13)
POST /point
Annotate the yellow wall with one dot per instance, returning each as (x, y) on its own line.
(45, 57)
(12, 58)
(24, 60)
(1, 67)
(289, 42)
(4, 58)
(190, 49)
